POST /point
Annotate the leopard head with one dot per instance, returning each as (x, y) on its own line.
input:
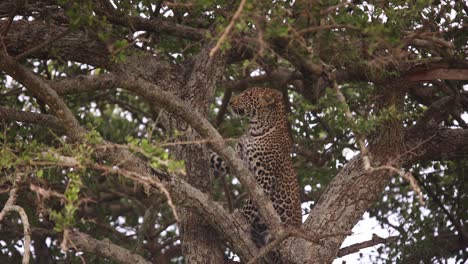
(257, 102)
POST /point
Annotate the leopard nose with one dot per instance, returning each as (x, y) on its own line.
(239, 111)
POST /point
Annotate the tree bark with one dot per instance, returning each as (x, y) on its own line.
(352, 191)
(201, 243)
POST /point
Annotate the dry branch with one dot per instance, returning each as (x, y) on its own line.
(9, 207)
(228, 29)
(358, 246)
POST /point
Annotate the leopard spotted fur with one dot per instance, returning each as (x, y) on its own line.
(265, 148)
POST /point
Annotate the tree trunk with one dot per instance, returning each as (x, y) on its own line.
(343, 203)
(200, 242)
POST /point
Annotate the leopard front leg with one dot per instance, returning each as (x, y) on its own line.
(258, 229)
(218, 165)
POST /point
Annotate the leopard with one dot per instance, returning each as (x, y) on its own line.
(265, 148)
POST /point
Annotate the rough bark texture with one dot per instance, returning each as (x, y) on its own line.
(75, 46)
(351, 192)
(105, 248)
(185, 90)
(200, 242)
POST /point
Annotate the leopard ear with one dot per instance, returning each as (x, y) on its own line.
(267, 99)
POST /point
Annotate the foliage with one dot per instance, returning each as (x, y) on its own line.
(375, 41)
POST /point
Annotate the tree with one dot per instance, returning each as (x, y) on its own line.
(108, 110)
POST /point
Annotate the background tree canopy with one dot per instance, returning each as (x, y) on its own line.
(108, 109)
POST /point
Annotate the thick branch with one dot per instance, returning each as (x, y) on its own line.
(83, 84)
(105, 248)
(30, 117)
(226, 224)
(74, 46)
(156, 25)
(201, 243)
(86, 47)
(43, 91)
(179, 108)
(444, 70)
(439, 74)
(436, 143)
(353, 190)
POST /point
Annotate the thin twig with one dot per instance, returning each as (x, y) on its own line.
(46, 193)
(146, 181)
(364, 151)
(405, 175)
(325, 27)
(349, 118)
(334, 8)
(228, 28)
(10, 206)
(435, 197)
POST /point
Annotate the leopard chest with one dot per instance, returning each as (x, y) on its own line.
(264, 156)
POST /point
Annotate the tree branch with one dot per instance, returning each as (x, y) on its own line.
(83, 84)
(10, 206)
(439, 74)
(370, 243)
(179, 108)
(105, 247)
(445, 70)
(182, 193)
(156, 25)
(44, 92)
(228, 29)
(77, 45)
(340, 197)
(41, 45)
(51, 121)
(440, 143)
(445, 246)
